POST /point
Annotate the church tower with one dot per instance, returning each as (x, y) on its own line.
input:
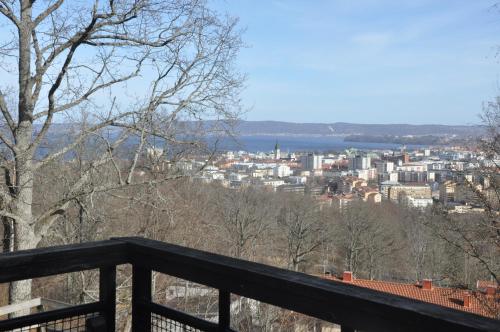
(277, 152)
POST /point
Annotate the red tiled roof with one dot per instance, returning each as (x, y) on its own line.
(481, 304)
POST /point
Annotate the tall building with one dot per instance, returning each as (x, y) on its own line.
(359, 162)
(384, 166)
(277, 151)
(311, 161)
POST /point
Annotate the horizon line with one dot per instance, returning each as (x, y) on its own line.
(364, 123)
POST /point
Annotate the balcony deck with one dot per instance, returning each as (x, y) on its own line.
(352, 307)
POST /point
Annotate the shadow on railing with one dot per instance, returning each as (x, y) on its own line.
(352, 307)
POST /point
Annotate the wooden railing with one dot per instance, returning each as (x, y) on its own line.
(354, 308)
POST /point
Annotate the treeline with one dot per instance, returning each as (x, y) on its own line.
(376, 241)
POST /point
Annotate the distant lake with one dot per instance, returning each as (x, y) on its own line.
(302, 143)
(253, 144)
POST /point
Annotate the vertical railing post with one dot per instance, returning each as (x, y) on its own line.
(141, 295)
(107, 295)
(224, 310)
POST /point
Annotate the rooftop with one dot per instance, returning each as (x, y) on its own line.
(477, 302)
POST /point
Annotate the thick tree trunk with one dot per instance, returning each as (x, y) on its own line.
(24, 231)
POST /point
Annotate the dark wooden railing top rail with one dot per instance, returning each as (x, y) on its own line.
(337, 302)
(35, 263)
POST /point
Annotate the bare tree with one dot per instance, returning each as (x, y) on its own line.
(146, 68)
(245, 217)
(366, 239)
(354, 224)
(478, 237)
(302, 229)
(417, 240)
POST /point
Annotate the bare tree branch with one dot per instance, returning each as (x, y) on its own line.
(7, 11)
(6, 114)
(43, 15)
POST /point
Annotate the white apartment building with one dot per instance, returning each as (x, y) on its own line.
(366, 174)
(281, 171)
(419, 203)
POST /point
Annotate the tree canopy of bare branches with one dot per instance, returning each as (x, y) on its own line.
(143, 68)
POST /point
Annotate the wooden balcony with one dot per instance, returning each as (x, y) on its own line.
(353, 308)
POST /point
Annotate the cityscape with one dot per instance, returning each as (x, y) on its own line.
(419, 178)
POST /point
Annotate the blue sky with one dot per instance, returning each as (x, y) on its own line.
(368, 61)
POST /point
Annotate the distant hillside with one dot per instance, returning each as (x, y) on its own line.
(341, 128)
